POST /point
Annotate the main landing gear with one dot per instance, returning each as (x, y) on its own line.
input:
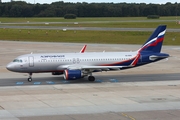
(30, 78)
(91, 78)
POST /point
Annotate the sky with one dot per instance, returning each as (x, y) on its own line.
(99, 1)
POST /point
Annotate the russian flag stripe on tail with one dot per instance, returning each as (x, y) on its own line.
(154, 43)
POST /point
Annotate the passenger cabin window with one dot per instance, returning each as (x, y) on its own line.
(17, 60)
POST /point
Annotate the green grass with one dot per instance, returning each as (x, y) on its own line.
(61, 19)
(111, 24)
(108, 37)
(126, 22)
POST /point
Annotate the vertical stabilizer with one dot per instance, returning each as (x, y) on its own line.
(155, 41)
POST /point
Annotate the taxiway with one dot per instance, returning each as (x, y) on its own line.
(144, 93)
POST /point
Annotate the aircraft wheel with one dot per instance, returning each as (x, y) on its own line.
(91, 78)
(30, 79)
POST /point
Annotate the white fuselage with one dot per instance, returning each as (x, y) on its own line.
(49, 62)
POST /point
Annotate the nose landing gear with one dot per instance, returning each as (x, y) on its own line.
(30, 78)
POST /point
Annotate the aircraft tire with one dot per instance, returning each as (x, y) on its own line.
(91, 78)
(29, 79)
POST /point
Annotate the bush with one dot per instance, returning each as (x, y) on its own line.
(70, 16)
(153, 17)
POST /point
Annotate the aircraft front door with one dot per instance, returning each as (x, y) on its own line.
(31, 61)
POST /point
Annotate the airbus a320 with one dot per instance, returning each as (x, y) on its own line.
(78, 65)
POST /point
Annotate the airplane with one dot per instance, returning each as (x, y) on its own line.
(78, 65)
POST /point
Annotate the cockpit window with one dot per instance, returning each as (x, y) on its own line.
(17, 60)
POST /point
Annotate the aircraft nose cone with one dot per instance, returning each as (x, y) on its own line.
(10, 67)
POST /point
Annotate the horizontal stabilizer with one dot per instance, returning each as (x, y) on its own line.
(154, 57)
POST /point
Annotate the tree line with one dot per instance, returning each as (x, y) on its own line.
(60, 9)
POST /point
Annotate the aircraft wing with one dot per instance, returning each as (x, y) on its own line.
(92, 68)
(101, 67)
(104, 68)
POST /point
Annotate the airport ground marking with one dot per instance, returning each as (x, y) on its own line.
(98, 80)
(19, 83)
(65, 81)
(127, 116)
(113, 80)
(37, 83)
(50, 82)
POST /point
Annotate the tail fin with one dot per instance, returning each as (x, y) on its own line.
(155, 41)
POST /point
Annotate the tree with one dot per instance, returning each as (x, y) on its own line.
(59, 9)
(15, 11)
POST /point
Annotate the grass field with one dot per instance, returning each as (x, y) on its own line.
(110, 37)
(61, 19)
(140, 22)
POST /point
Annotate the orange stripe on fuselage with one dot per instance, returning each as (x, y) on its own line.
(118, 62)
(136, 60)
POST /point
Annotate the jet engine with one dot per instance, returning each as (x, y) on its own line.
(72, 74)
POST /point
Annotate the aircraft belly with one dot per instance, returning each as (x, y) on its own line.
(39, 68)
(45, 68)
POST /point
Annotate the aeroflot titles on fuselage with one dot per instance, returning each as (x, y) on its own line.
(55, 56)
(52, 56)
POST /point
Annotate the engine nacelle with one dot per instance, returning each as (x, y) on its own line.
(57, 73)
(72, 74)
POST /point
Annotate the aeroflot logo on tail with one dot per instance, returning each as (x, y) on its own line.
(52, 56)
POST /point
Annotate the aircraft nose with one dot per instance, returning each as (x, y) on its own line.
(10, 67)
